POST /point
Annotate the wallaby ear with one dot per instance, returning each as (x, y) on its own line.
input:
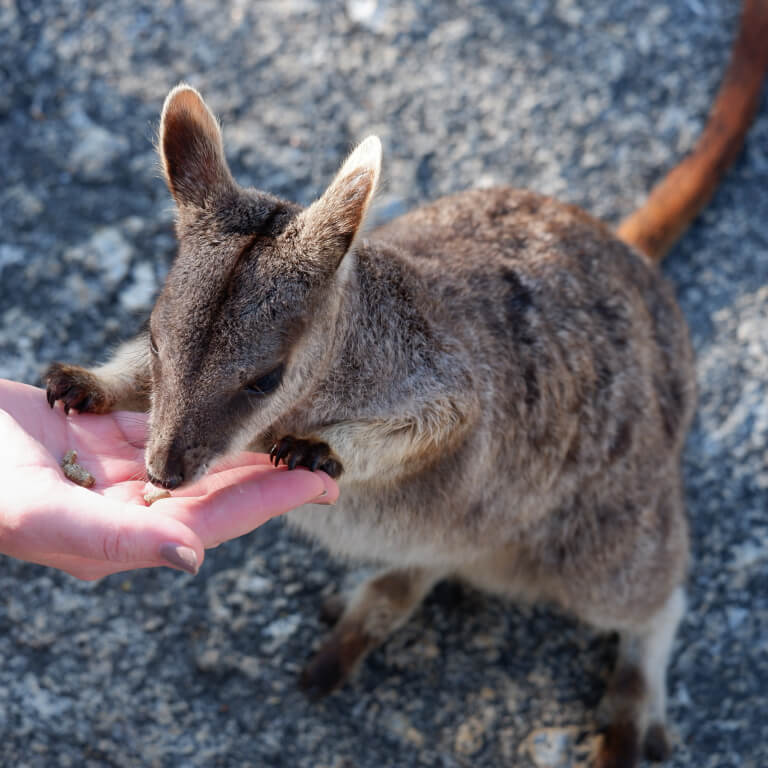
(191, 149)
(332, 223)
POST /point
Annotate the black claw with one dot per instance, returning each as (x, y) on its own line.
(66, 408)
(304, 453)
(282, 450)
(51, 399)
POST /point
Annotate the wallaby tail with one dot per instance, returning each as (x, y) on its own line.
(677, 199)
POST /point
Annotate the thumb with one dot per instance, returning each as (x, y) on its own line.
(89, 525)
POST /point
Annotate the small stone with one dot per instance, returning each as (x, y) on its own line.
(569, 12)
(79, 288)
(153, 624)
(95, 148)
(208, 659)
(283, 627)
(736, 616)
(250, 666)
(550, 747)
(470, 737)
(400, 727)
(414, 736)
(254, 584)
(106, 252)
(111, 253)
(279, 631)
(362, 11)
(140, 294)
(9, 255)
(564, 747)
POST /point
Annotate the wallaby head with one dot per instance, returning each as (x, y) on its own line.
(239, 330)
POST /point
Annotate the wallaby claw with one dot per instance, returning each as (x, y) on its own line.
(312, 454)
(75, 387)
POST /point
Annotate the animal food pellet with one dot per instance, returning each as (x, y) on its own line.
(153, 493)
(75, 472)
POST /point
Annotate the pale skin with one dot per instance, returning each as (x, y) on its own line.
(90, 533)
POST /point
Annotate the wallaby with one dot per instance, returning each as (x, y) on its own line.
(500, 383)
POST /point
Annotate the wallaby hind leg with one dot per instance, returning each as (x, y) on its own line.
(375, 610)
(634, 706)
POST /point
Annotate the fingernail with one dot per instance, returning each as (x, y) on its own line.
(322, 499)
(180, 556)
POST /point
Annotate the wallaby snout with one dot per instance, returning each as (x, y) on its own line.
(180, 449)
(165, 466)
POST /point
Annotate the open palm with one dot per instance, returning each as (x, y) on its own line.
(91, 532)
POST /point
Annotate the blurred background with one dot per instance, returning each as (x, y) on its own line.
(587, 100)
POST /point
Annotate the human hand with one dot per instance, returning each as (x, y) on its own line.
(92, 532)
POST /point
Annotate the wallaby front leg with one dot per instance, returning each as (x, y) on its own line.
(375, 610)
(372, 449)
(123, 383)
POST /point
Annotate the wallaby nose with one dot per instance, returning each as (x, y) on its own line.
(169, 481)
(170, 473)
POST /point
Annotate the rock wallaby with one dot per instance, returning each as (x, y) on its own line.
(501, 384)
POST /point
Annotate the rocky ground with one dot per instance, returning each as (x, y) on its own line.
(589, 101)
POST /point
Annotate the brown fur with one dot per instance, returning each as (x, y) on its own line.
(506, 384)
(677, 200)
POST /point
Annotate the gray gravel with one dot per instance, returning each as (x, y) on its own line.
(587, 100)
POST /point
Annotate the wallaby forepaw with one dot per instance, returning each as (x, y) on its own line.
(76, 388)
(311, 454)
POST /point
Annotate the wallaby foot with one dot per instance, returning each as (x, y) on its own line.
(76, 387)
(332, 609)
(634, 706)
(375, 610)
(656, 746)
(305, 453)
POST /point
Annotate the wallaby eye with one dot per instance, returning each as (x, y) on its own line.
(152, 344)
(267, 383)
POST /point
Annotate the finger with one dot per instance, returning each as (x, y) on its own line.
(242, 459)
(91, 526)
(232, 473)
(88, 570)
(216, 481)
(235, 510)
(331, 489)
